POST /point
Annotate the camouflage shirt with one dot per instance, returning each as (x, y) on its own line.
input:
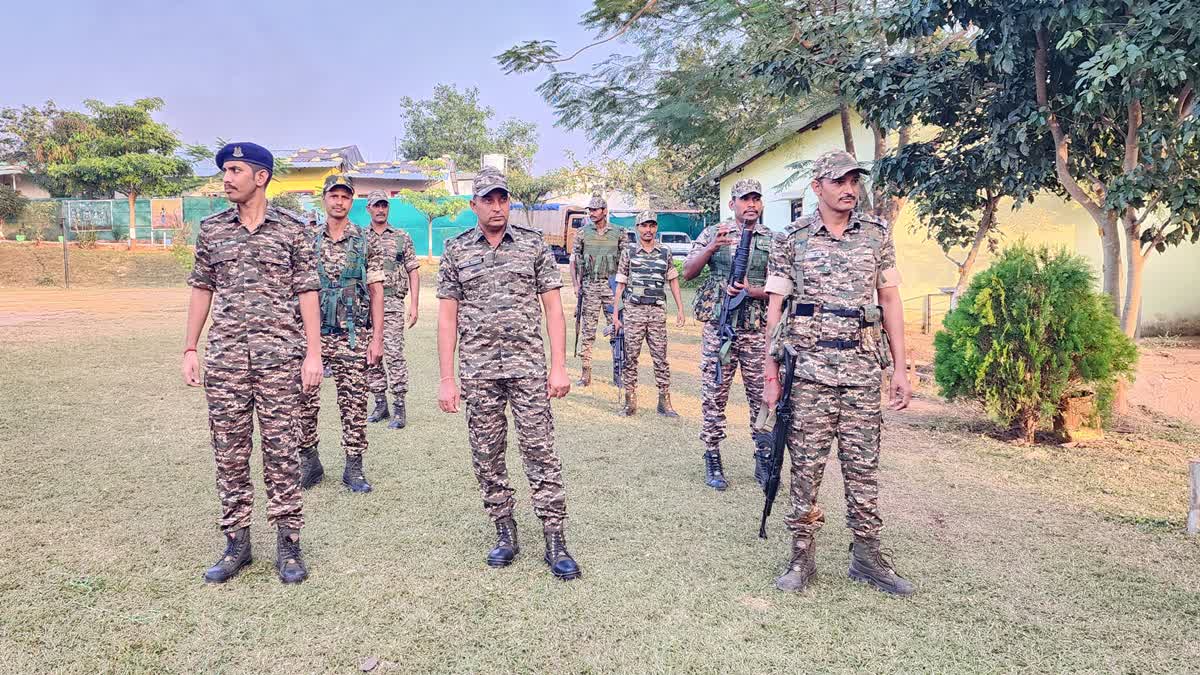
(597, 260)
(836, 273)
(499, 306)
(255, 278)
(753, 313)
(334, 252)
(399, 258)
(646, 273)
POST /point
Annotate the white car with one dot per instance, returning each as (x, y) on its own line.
(679, 243)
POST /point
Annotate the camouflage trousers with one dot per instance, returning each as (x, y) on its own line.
(487, 429)
(646, 323)
(596, 294)
(746, 354)
(852, 416)
(393, 367)
(349, 368)
(234, 396)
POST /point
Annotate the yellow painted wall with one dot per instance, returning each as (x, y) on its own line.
(1172, 279)
(299, 180)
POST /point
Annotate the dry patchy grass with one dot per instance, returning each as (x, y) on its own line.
(1027, 559)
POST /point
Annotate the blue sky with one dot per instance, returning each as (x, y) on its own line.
(294, 74)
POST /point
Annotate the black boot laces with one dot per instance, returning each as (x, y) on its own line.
(289, 550)
(713, 461)
(558, 546)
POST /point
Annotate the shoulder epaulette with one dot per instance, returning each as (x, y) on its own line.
(801, 223)
(219, 216)
(524, 228)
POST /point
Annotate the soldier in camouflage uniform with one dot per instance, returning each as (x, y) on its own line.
(594, 259)
(715, 249)
(490, 282)
(400, 266)
(255, 263)
(642, 273)
(824, 275)
(350, 267)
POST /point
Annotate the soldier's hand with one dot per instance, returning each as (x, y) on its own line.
(558, 383)
(901, 391)
(191, 368)
(680, 321)
(448, 395)
(735, 288)
(616, 324)
(723, 238)
(412, 315)
(311, 372)
(771, 391)
(374, 351)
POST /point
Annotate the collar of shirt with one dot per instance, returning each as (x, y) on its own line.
(507, 233)
(269, 216)
(853, 224)
(350, 232)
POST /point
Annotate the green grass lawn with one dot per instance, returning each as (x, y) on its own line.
(1026, 559)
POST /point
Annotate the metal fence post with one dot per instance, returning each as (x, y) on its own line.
(1193, 521)
(66, 256)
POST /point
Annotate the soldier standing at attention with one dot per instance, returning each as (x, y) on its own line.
(490, 282)
(256, 262)
(351, 271)
(400, 266)
(715, 248)
(642, 273)
(593, 260)
(827, 268)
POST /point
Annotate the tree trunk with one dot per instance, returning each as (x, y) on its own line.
(847, 129)
(1110, 245)
(430, 225)
(1027, 426)
(985, 226)
(1133, 281)
(132, 218)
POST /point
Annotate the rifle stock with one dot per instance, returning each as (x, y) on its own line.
(779, 434)
(578, 315)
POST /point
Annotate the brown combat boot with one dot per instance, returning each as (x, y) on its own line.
(585, 379)
(868, 564)
(630, 408)
(802, 570)
(664, 405)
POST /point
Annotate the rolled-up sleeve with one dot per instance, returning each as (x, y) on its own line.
(546, 274)
(202, 269)
(448, 286)
(304, 264)
(779, 266)
(889, 274)
(375, 269)
(408, 254)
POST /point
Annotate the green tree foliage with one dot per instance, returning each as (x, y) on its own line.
(35, 138)
(12, 205)
(287, 200)
(455, 124)
(435, 203)
(532, 191)
(1111, 83)
(1029, 332)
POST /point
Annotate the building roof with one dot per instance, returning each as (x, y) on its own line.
(12, 169)
(818, 110)
(322, 158)
(390, 171)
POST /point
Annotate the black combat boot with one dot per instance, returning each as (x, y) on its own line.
(235, 557)
(311, 471)
(506, 544)
(559, 558)
(399, 414)
(630, 408)
(868, 564)
(664, 405)
(585, 379)
(714, 474)
(762, 461)
(380, 412)
(802, 569)
(353, 477)
(289, 562)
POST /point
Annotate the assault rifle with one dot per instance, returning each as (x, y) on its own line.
(731, 303)
(616, 339)
(578, 315)
(779, 434)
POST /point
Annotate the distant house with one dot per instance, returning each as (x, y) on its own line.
(1170, 279)
(18, 178)
(307, 168)
(392, 177)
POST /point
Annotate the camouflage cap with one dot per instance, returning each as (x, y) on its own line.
(338, 180)
(745, 186)
(488, 179)
(646, 217)
(835, 164)
(376, 196)
(597, 202)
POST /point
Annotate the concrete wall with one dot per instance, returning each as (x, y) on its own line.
(26, 186)
(1172, 279)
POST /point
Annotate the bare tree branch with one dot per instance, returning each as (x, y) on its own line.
(624, 29)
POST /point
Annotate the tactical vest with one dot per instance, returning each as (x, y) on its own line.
(756, 270)
(753, 314)
(600, 252)
(648, 276)
(345, 303)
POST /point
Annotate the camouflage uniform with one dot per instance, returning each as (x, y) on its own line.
(399, 258)
(346, 354)
(646, 275)
(836, 393)
(747, 352)
(252, 362)
(596, 255)
(502, 361)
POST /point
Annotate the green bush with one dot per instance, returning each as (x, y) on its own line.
(694, 283)
(1030, 332)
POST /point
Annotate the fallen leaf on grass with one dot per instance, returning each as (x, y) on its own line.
(369, 664)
